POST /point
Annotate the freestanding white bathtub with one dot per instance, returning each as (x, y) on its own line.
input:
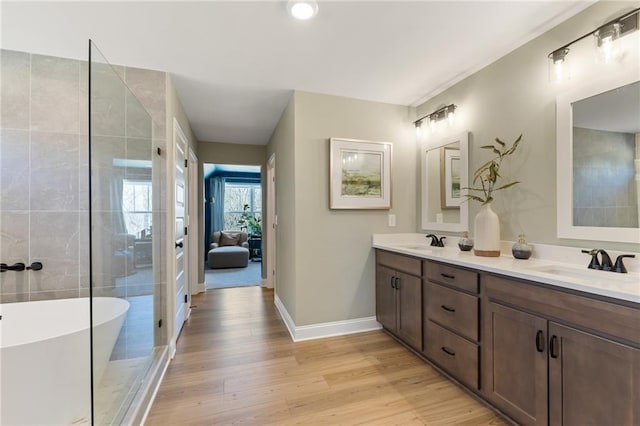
(45, 357)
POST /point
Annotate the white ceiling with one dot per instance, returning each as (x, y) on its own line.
(235, 63)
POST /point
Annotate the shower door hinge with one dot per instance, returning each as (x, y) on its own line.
(186, 298)
(160, 323)
(186, 164)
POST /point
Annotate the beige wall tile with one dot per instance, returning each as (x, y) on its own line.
(54, 172)
(55, 84)
(14, 89)
(14, 169)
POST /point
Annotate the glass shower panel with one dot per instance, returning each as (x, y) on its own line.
(124, 276)
(44, 327)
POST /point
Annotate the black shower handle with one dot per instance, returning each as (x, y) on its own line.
(35, 266)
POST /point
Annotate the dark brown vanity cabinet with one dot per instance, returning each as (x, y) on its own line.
(539, 369)
(450, 324)
(542, 355)
(399, 296)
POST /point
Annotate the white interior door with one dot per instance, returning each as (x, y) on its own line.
(180, 265)
(194, 230)
(271, 222)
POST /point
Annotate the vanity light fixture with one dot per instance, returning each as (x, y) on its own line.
(446, 112)
(605, 36)
(302, 10)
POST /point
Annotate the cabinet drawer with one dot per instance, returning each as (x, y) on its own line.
(399, 262)
(453, 276)
(598, 315)
(453, 309)
(454, 354)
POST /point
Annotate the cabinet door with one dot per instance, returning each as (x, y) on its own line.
(409, 295)
(386, 298)
(592, 380)
(515, 363)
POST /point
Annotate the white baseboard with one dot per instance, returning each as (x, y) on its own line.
(284, 314)
(326, 329)
(201, 288)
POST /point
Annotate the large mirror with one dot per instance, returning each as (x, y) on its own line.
(444, 175)
(599, 161)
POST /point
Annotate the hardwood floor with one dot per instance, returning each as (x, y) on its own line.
(236, 364)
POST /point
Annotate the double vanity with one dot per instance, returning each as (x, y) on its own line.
(541, 341)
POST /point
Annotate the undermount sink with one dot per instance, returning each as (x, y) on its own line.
(414, 246)
(585, 274)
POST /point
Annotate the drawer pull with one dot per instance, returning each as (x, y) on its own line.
(448, 309)
(540, 341)
(448, 351)
(451, 277)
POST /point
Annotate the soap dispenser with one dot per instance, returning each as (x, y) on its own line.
(521, 250)
(465, 243)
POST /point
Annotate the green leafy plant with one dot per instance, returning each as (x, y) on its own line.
(485, 179)
(250, 221)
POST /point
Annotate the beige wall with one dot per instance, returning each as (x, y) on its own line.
(326, 254)
(231, 153)
(176, 110)
(282, 143)
(512, 96)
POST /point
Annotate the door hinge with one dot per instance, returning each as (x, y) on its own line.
(159, 151)
(160, 323)
(186, 164)
(186, 298)
(185, 230)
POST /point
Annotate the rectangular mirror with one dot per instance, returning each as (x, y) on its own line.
(444, 174)
(599, 160)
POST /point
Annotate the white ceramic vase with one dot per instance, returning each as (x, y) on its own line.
(487, 232)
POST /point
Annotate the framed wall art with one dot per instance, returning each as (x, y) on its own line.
(450, 178)
(360, 174)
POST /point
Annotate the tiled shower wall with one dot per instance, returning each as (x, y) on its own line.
(44, 168)
(604, 186)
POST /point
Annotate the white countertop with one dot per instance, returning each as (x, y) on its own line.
(563, 271)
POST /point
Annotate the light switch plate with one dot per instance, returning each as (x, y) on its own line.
(392, 220)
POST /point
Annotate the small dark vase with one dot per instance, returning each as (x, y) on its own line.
(521, 250)
(465, 243)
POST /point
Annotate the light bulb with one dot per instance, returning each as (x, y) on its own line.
(302, 10)
(605, 38)
(557, 65)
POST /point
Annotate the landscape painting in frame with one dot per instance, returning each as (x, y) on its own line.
(450, 178)
(360, 174)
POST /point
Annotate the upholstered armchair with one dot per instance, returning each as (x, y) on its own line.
(229, 249)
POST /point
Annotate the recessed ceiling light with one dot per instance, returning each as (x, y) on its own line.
(302, 10)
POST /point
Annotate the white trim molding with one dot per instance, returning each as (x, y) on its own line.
(325, 329)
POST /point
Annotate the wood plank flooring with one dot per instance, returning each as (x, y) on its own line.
(236, 364)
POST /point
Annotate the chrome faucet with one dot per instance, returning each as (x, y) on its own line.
(435, 241)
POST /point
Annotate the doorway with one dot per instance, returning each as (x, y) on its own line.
(233, 225)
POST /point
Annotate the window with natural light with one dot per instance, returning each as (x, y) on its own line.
(236, 195)
(136, 207)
